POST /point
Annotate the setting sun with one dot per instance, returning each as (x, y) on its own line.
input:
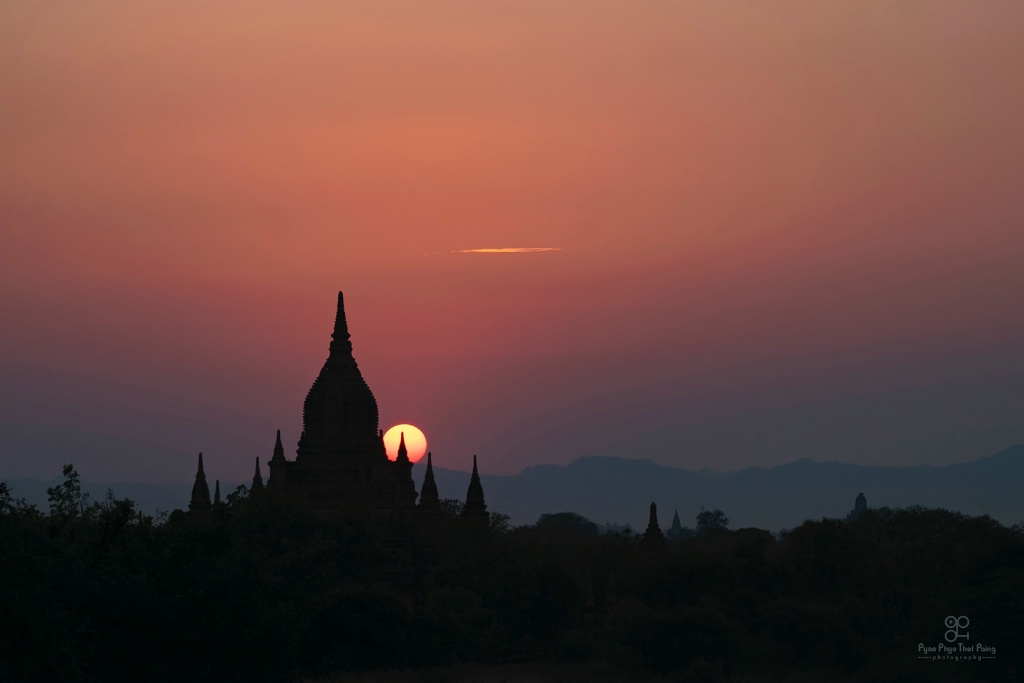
(415, 442)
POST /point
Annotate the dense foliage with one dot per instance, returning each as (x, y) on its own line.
(258, 591)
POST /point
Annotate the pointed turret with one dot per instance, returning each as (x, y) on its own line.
(653, 540)
(257, 479)
(405, 489)
(216, 495)
(676, 531)
(200, 502)
(341, 340)
(475, 505)
(429, 499)
(277, 468)
(278, 450)
(403, 452)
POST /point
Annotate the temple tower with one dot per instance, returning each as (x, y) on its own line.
(675, 532)
(429, 499)
(340, 464)
(405, 488)
(339, 417)
(257, 479)
(277, 467)
(653, 540)
(428, 514)
(859, 506)
(475, 509)
(200, 502)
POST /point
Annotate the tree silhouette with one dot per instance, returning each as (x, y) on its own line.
(711, 519)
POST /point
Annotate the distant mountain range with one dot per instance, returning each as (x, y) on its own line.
(620, 490)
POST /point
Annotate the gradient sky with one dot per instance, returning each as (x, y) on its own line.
(773, 230)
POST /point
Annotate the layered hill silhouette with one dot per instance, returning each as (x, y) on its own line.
(619, 490)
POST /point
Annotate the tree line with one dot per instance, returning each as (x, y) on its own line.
(95, 590)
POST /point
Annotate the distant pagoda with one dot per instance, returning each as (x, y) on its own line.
(653, 540)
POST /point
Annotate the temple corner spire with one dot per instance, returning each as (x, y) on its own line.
(200, 502)
(257, 478)
(278, 450)
(653, 540)
(429, 498)
(403, 452)
(475, 505)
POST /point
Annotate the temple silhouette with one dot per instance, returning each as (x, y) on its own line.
(341, 467)
(859, 506)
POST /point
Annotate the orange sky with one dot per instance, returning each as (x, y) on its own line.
(782, 229)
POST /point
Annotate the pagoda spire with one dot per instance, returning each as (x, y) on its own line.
(428, 493)
(676, 531)
(341, 341)
(277, 467)
(200, 491)
(216, 495)
(475, 505)
(278, 451)
(403, 452)
(405, 494)
(257, 479)
(653, 540)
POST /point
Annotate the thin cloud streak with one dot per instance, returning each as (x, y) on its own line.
(506, 250)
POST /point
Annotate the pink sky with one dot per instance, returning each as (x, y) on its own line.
(783, 229)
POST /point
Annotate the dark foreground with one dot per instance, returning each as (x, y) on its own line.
(259, 592)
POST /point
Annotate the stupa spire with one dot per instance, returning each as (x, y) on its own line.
(475, 504)
(257, 479)
(200, 491)
(403, 452)
(278, 451)
(653, 540)
(428, 494)
(216, 494)
(676, 532)
(341, 341)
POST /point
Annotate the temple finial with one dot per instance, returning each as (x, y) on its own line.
(278, 449)
(200, 491)
(403, 452)
(428, 493)
(257, 479)
(676, 531)
(475, 505)
(341, 344)
(216, 493)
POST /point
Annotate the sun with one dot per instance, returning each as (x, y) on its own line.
(415, 442)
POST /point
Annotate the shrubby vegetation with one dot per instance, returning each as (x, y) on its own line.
(257, 591)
